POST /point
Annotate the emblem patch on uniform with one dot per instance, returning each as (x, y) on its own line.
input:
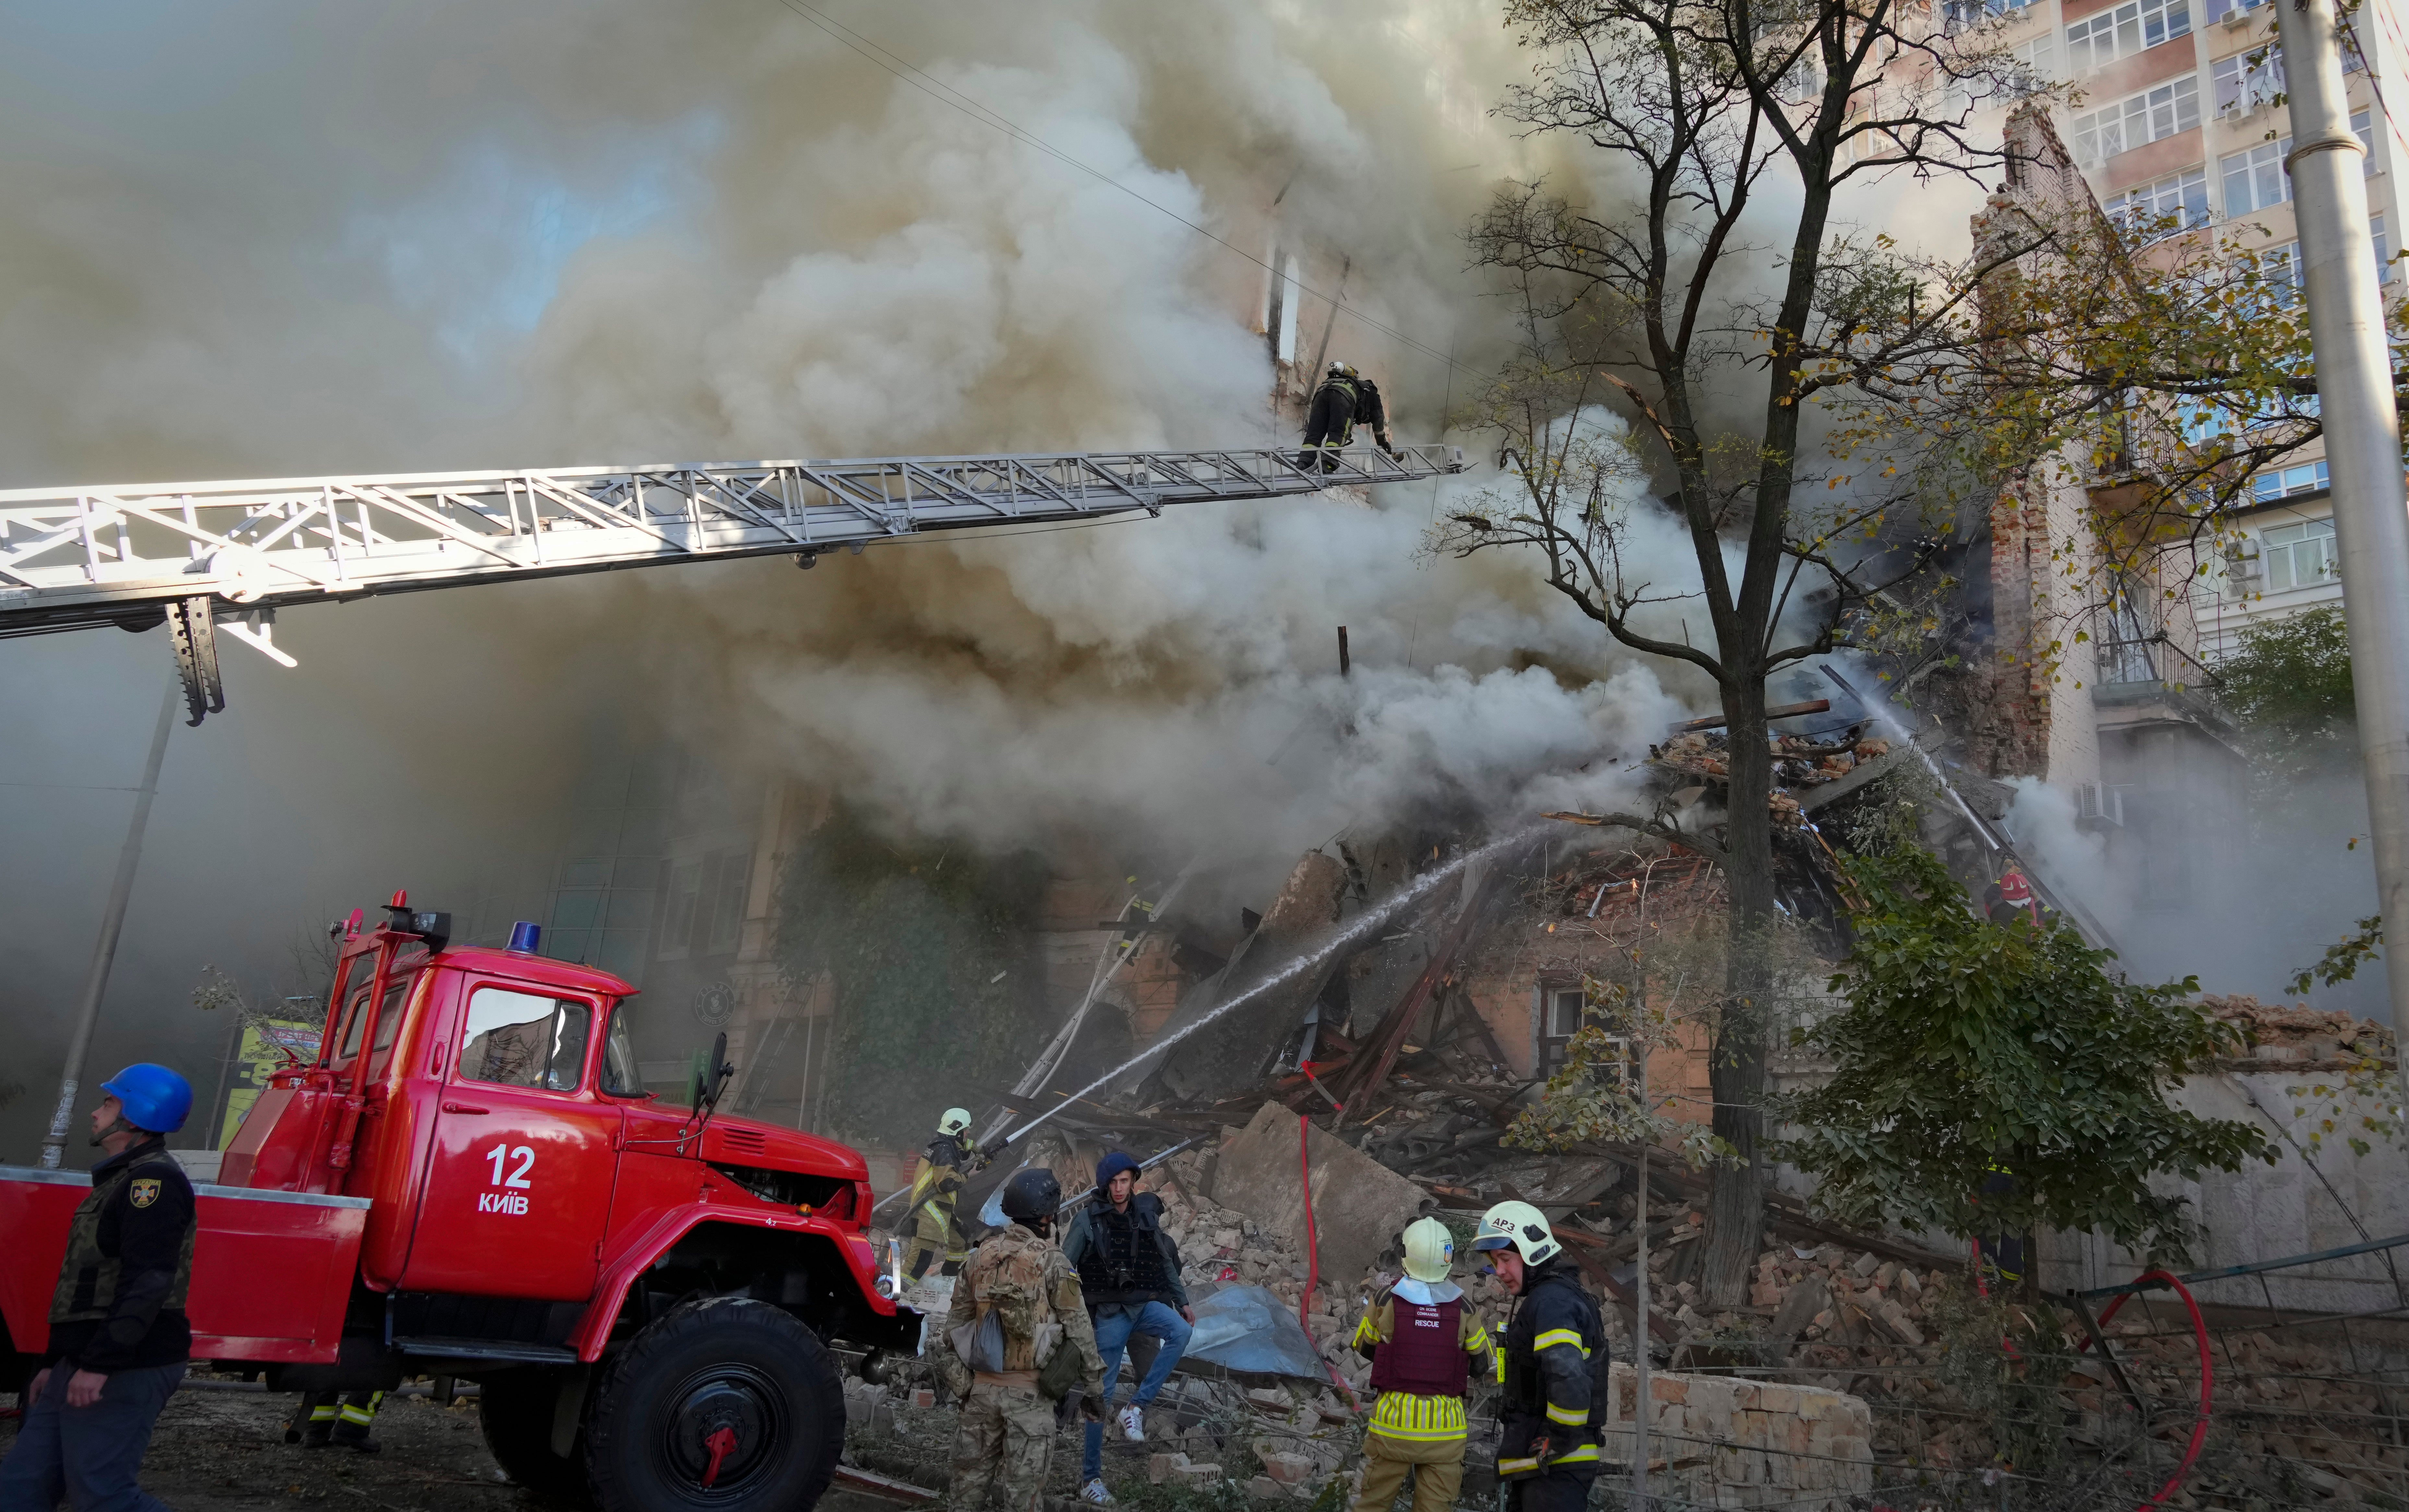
(145, 1190)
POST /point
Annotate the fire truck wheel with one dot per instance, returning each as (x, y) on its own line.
(725, 1403)
(516, 1408)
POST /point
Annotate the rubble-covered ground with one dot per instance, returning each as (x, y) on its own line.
(220, 1449)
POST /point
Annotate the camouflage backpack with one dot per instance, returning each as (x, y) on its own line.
(1013, 1326)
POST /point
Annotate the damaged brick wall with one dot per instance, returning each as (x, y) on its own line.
(1720, 1442)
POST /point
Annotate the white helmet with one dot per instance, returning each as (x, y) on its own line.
(1523, 1227)
(1430, 1250)
(955, 1121)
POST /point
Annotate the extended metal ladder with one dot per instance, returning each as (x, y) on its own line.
(204, 556)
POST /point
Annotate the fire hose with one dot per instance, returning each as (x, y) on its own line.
(2207, 1378)
(1313, 1256)
(2207, 1370)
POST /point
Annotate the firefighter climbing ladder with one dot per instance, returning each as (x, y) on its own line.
(206, 556)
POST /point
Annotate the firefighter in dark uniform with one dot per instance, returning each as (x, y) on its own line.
(119, 1338)
(1553, 1367)
(335, 1421)
(1345, 398)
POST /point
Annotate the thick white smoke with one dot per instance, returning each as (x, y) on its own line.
(239, 240)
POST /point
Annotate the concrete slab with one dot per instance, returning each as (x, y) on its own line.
(1360, 1207)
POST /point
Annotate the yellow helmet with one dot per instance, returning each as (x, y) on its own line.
(1523, 1227)
(1430, 1250)
(955, 1121)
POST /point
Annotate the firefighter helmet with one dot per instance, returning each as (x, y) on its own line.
(1523, 1227)
(955, 1121)
(1430, 1250)
(154, 1099)
(1032, 1194)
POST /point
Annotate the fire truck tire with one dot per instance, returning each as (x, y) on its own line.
(516, 1411)
(719, 1365)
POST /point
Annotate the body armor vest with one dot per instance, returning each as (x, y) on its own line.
(1426, 1355)
(87, 1277)
(1125, 1262)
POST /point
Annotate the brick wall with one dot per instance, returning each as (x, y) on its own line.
(1722, 1442)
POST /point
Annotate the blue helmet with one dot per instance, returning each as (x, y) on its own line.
(154, 1098)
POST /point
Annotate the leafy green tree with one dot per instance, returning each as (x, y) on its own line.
(1970, 1047)
(2288, 685)
(927, 947)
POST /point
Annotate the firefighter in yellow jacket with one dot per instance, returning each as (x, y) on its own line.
(1423, 1340)
(937, 1237)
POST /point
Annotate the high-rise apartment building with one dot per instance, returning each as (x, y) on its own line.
(2177, 113)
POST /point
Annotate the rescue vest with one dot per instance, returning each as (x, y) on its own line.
(1425, 1355)
(88, 1278)
(1125, 1262)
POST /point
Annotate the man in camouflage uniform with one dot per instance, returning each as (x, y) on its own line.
(1016, 1301)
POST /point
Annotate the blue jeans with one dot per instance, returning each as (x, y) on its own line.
(87, 1456)
(1114, 1322)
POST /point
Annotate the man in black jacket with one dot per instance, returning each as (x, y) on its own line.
(1129, 1272)
(1554, 1366)
(119, 1337)
(1345, 397)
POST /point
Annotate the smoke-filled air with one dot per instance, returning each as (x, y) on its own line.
(243, 241)
(251, 239)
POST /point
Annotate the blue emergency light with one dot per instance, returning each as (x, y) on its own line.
(526, 936)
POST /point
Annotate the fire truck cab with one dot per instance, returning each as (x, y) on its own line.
(471, 1181)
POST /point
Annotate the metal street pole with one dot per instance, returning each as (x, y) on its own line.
(2362, 432)
(104, 950)
(1640, 1334)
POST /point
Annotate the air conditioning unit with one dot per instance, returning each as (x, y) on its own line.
(2098, 806)
(2236, 19)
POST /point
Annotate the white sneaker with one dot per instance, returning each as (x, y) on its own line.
(1094, 1491)
(1132, 1424)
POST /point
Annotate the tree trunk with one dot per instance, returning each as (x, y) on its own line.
(1735, 1203)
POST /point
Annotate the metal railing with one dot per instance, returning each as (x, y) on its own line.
(2150, 659)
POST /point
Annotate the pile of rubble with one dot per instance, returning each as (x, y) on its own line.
(2301, 1035)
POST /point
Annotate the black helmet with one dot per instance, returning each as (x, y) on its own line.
(1031, 1195)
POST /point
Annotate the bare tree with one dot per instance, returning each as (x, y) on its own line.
(1749, 374)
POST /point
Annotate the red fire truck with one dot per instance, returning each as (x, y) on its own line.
(470, 1181)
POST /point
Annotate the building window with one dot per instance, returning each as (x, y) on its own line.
(2281, 267)
(2255, 180)
(2097, 41)
(2039, 55)
(2145, 118)
(1966, 13)
(1563, 1012)
(2243, 86)
(2217, 10)
(683, 898)
(726, 877)
(2176, 203)
(2297, 555)
(1560, 1021)
(2282, 482)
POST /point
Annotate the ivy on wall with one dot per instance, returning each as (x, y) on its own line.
(931, 951)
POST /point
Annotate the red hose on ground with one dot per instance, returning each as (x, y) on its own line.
(2207, 1379)
(1313, 1254)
